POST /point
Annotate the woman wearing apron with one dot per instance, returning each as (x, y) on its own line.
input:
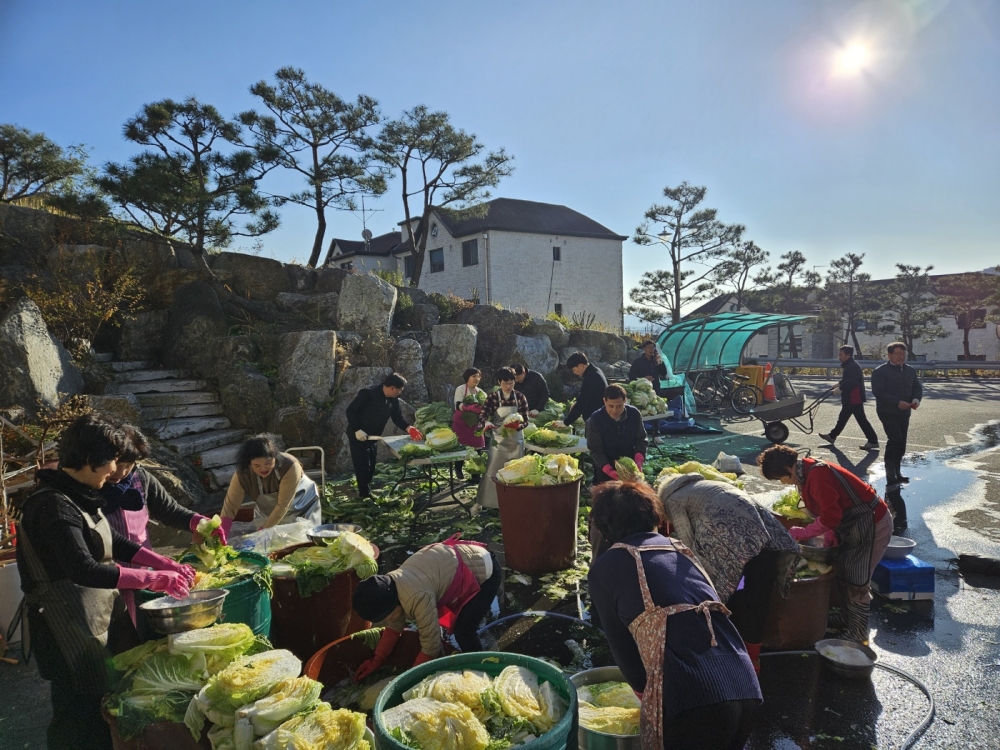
(274, 482)
(66, 556)
(466, 416)
(132, 496)
(694, 678)
(450, 585)
(500, 405)
(847, 506)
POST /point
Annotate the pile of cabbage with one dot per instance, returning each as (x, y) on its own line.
(810, 569)
(789, 505)
(538, 470)
(610, 708)
(218, 565)
(553, 412)
(315, 567)
(469, 710)
(546, 437)
(438, 440)
(709, 472)
(642, 396)
(475, 464)
(432, 416)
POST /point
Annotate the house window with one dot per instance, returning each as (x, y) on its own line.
(556, 252)
(558, 308)
(470, 253)
(437, 260)
(408, 267)
(348, 266)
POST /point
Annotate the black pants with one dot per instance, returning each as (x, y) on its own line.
(858, 412)
(76, 723)
(719, 726)
(363, 457)
(751, 605)
(896, 427)
(466, 630)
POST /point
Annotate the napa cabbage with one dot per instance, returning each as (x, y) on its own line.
(475, 464)
(266, 714)
(526, 470)
(412, 451)
(520, 696)
(427, 723)
(219, 644)
(628, 470)
(315, 567)
(709, 472)
(609, 719)
(454, 687)
(323, 728)
(547, 438)
(442, 439)
(789, 505)
(562, 467)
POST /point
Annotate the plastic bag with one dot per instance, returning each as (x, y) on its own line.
(728, 464)
(277, 537)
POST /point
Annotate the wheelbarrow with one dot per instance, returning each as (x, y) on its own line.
(795, 410)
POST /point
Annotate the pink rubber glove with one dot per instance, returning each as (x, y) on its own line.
(414, 434)
(227, 527)
(165, 581)
(220, 532)
(816, 528)
(639, 460)
(150, 559)
(610, 472)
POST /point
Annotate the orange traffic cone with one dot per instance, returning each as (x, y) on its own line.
(769, 393)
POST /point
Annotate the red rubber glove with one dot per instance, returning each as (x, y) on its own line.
(421, 658)
(610, 472)
(219, 533)
(639, 460)
(489, 426)
(150, 559)
(414, 434)
(385, 646)
(165, 581)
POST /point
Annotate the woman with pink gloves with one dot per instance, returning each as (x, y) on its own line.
(67, 557)
(850, 507)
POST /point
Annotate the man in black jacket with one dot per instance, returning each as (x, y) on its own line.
(613, 432)
(366, 418)
(852, 401)
(897, 392)
(533, 386)
(591, 397)
(648, 365)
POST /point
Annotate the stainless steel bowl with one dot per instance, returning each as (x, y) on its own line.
(825, 555)
(899, 547)
(323, 535)
(852, 671)
(199, 609)
(591, 740)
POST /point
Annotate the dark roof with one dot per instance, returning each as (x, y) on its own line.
(381, 245)
(713, 306)
(510, 215)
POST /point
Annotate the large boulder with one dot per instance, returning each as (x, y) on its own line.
(408, 361)
(236, 350)
(307, 366)
(259, 278)
(613, 347)
(196, 322)
(555, 330)
(618, 370)
(296, 424)
(352, 380)
(366, 304)
(35, 368)
(320, 309)
(593, 353)
(417, 296)
(245, 395)
(142, 336)
(424, 317)
(331, 279)
(453, 350)
(303, 279)
(487, 317)
(534, 352)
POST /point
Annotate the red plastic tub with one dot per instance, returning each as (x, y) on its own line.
(539, 525)
(340, 659)
(161, 736)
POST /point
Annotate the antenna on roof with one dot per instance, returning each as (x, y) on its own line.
(366, 233)
(364, 218)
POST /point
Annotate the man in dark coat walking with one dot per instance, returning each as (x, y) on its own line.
(852, 400)
(897, 392)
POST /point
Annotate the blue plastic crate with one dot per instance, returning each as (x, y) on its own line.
(907, 579)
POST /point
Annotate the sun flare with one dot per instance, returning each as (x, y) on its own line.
(853, 58)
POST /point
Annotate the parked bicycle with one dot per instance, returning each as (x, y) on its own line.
(721, 385)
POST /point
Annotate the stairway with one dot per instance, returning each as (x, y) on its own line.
(181, 412)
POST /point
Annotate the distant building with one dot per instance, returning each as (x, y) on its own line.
(524, 255)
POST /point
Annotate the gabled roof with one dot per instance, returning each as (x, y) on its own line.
(511, 215)
(715, 305)
(381, 245)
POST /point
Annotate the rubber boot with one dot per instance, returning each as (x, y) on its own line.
(753, 651)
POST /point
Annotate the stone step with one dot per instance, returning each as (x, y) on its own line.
(220, 457)
(177, 399)
(136, 376)
(158, 386)
(189, 445)
(103, 357)
(221, 476)
(179, 411)
(126, 366)
(167, 429)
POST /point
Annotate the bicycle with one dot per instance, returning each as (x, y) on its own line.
(713, 388)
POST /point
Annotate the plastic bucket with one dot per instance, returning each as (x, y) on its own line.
(304, 624)
(340, 659)
(493, 663)
(247, 603)
(164, 735)
(539, 525)
(800, 620)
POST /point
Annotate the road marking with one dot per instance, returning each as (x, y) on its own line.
(949, 440)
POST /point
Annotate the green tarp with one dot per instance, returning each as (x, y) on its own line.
(703, 343)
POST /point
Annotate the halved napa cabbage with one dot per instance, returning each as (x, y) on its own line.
(286, 699)
(434, 724)
(454, 687)
(609, 707)
(220, 643)
(367, 700)
(520, 696)
(323, 728)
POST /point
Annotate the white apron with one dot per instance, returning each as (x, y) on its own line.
(305, 503)
(502, 450)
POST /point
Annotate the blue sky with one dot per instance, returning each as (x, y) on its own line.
(602, 104)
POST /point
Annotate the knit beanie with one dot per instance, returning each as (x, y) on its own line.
(375, 598)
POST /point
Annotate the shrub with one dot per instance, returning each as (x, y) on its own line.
(393, 277)
(449, 305)
(402, 317)
(374, 350)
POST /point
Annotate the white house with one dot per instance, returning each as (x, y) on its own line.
(523, 255)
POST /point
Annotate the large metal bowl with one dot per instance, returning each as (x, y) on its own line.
(899, 547)
(825, 555)
(837, 666)
(591, 740)
(199, 609)
(326, 533)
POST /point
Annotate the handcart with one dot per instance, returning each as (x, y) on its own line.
(793, 409)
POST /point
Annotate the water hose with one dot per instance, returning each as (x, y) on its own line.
(928, 717)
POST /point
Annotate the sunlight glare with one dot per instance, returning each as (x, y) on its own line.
(853, 59)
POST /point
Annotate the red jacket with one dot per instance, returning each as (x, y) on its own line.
(827, 499)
